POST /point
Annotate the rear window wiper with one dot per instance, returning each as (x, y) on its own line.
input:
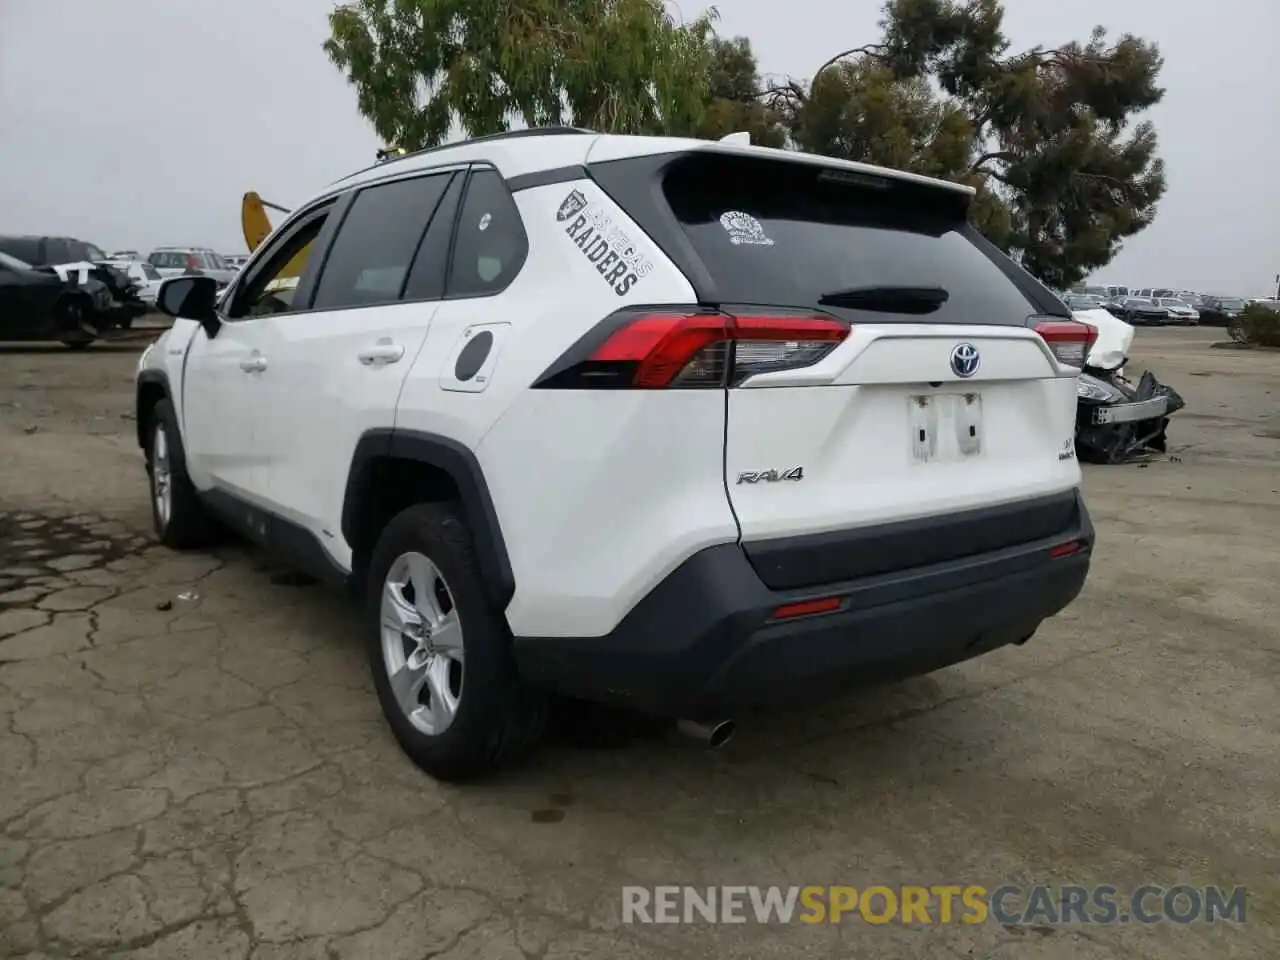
(887, 299)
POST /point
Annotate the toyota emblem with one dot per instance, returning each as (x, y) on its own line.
(964, 360)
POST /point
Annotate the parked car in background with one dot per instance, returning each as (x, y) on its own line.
(1139, 311)
(1084, 301)
(41, 251)
(177, 261)
(146, 277)
(79, 259)
(235, 260)
(49, 303)
(1220, 310)
(126, 255)
(1180, 312)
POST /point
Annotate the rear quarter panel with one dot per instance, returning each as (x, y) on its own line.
(599, 493)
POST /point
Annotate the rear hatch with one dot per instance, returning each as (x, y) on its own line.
(887, 368)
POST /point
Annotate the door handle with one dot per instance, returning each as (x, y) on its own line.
(382, 352)
(255, 364)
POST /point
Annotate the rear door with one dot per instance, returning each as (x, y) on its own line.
(940, 396)
(341, 364)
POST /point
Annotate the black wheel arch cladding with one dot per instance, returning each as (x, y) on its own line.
(461, 465)
(152, 387)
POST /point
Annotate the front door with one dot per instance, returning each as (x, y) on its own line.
(232, 379)
(225, 409)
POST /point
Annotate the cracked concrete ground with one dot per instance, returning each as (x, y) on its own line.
(193, 765)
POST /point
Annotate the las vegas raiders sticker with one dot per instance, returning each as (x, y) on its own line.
(605, 246)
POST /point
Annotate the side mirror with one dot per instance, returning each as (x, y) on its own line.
(191, 298)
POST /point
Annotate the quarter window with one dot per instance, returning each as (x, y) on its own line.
(376, 243)
(491, 245)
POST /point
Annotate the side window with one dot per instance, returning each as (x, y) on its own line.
(269, 289)
(491, 246)
(94, 252)
(376, 243)
(427, 275)
(58, 251)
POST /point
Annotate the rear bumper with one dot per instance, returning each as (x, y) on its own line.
(703, 643)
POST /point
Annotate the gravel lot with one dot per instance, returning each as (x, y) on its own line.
(194, 764)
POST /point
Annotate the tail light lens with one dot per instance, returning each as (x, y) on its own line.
(1070, 340)
(683, 349)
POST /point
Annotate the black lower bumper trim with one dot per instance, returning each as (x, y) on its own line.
(702, 642)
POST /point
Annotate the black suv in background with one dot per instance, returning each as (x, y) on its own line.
(50, 251)
(122, 303)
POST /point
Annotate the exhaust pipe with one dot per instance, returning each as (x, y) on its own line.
(713, 735)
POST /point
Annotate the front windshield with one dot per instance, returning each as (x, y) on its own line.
(1232, 303)
(13, 263)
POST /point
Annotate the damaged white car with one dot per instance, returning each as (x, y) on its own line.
(1116, 419)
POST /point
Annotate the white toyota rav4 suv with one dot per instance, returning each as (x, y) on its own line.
(667, 423)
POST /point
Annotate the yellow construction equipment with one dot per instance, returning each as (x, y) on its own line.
(257, 227)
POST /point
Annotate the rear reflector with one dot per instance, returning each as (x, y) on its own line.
(806, 608)
(1066, 549)
(1069, 340)
(657, 349)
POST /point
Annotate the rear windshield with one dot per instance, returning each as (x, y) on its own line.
(786, 234)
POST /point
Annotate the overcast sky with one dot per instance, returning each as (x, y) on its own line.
(136, 123)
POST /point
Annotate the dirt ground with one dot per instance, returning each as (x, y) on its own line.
(193, 764)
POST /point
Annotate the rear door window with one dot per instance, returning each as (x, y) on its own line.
(375, 245)
(789, 234)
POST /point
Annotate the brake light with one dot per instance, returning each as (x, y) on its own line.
(656, 349)
(1070, 340)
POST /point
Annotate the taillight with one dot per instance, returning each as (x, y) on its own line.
(1069, 340)
(658, 349)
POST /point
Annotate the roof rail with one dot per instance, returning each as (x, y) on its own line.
(504, 135)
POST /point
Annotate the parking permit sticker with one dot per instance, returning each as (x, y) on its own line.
(743, 228)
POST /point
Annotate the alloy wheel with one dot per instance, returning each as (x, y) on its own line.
(422, 643)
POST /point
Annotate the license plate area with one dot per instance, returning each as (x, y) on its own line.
(945, 427)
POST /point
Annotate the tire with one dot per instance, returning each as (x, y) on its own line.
(70, 315)
(180, 520)
(463, 711)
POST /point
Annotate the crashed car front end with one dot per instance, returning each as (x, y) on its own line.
(1116, 421)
